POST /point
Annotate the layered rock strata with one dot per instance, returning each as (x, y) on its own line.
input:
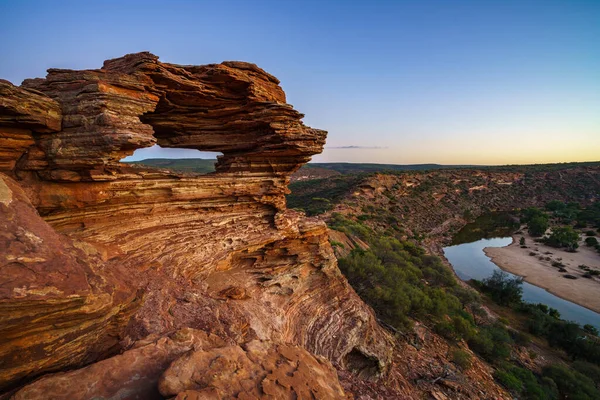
(217, 253)
(24, 113)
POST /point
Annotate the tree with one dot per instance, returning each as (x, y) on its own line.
(503, 289)
(564, 237)
(591, 241)
(530, 213)
(591, 329)
(537, 225)
(555, 205)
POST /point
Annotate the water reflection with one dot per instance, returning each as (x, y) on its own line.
(470, 262)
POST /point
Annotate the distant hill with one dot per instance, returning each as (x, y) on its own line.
(353, 168)
(194, 165)
(308, 171)
(349, 168)
(326, 170)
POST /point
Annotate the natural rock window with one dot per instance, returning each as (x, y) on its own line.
(175, 159)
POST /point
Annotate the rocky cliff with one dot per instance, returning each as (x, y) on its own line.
(203, 284)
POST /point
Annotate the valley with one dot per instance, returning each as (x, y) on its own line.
(432, 210)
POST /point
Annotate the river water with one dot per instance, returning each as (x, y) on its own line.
(470, 262)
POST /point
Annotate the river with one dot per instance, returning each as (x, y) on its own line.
(470, 262)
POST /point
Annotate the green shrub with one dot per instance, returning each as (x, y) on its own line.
(336, 244)
(503, 289)
(538, 225)
(525, 384)
(572, 384)
(508, 380)
(400, 281)
(445, 329)
(564, 237)
(461, 358)
(492, 343)
(588, 369)
(591, 241)
(591, 329)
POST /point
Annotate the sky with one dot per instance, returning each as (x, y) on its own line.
(405, 82)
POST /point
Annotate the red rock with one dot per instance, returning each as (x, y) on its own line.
(58, 306)
(131, 375)
(23, 114)
(180, 241)
(259, 370)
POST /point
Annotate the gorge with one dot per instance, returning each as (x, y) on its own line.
(129, 281)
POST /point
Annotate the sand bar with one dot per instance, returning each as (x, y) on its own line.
(541, 273)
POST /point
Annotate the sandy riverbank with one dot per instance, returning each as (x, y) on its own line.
(537, 269)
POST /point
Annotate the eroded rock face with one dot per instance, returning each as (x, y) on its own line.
(257, 370)
(59, 306)
(135, 101)
(132, 375)
(23, 114)
(217, 253)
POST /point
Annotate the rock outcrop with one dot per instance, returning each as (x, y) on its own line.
(23, 114)
(57, 299)
(189, 364)
(101, 255)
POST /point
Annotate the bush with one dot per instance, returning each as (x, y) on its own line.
(555, 205)
(538, 225)
(591, 241)
(503, 289)
(588, 369)
(563, 237)
(461, 358)
(524, 383)
(591, 329)
(520, 338)
(399, 281)
(445, 329)
(492, 343)
(590, 233)
(571, 384)
(508, 380)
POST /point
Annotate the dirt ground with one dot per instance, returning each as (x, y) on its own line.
(534, 264)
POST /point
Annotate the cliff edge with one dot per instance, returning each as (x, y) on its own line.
(148, 283)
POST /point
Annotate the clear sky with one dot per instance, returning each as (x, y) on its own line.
(447, 81)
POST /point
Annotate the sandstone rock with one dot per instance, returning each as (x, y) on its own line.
(174, 245)
(28, 109)
(23, 112)
(134, 101)
(131, 375)
(255, 371)
(58, 307)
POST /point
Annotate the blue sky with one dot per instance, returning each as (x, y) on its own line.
(478, 82)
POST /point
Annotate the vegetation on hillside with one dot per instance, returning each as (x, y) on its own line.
(191, 165)
(563, 219)
(354, 168)
(402, 283)
(320, 195)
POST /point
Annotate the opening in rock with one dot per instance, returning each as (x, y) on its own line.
(181, 160)
(361, 364)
